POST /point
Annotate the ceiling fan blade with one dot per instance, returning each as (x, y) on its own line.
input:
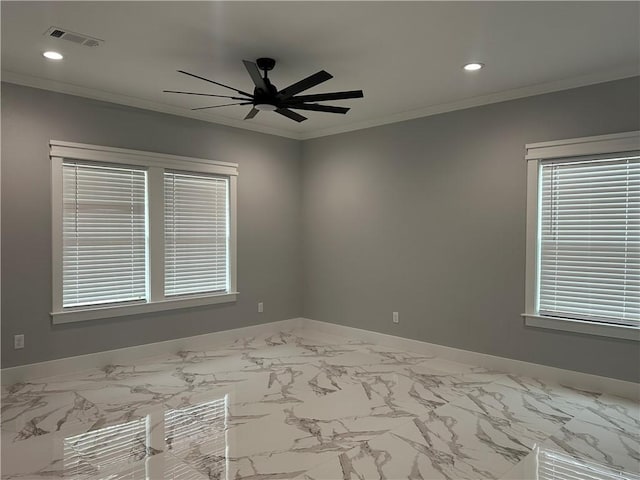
(225, 105)
(291, 114)
(216, 83)
(328, 96)
(205, 94)
(254, 72)
(252, 113)
(318, 108)
(304, 84)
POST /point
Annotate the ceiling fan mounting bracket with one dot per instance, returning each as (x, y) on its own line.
(266, 64)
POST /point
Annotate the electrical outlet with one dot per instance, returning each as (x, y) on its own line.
(395, 317)
(18, 341)
(260, 307)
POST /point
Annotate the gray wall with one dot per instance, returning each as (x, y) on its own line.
(268, 221)
(424, 217)
(427, 218)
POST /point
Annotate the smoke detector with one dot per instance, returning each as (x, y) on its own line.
(77, 38)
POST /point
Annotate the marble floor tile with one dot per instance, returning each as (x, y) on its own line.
(350, 401)
(38, 457)
(168, 467)
(437, 447)
(601, 443)
(283, 406)
(567, 396)
(614, 411)
(450, 443)
(420, 390)
(514, 404)
(265, 447)
(32, 415)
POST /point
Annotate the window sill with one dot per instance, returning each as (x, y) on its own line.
(581, 326)
(95, 313)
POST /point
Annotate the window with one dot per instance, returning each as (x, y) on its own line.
(583, 247)
(589, 232)
(195, 233)
(104, 234)
(137, 232)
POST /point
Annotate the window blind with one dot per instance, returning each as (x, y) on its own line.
(589, 267)
(104, 234)
(196, 233)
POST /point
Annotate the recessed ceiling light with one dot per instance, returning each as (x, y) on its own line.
(51, 55)
(472, 67)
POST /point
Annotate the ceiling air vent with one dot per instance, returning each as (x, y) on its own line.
(77, 38)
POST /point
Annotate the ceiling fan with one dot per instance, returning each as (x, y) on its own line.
(268, 98)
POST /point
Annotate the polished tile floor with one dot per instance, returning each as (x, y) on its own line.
(282, 406)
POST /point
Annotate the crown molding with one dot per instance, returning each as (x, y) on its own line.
(70, 89)
(503, 96)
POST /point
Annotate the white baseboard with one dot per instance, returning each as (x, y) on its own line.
(569, 378)
(63, 366)
(68, 365)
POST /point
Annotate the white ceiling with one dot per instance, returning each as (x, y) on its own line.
(407, 56)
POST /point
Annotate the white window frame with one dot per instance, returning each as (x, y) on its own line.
(535, 153)
(155, 164)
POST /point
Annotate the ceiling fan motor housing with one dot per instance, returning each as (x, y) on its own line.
(260, 96)
(266, 63)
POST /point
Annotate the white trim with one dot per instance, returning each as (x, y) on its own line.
(582, 326)
(575, 147)
(233, 229)
(99, 153)
(56, 233)
(513, 94)
(95, 313)
(590, 140)
(311, 328)
(533, 222)
(80, 363)
(155, 163)
(566, 377)
(155, 273)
